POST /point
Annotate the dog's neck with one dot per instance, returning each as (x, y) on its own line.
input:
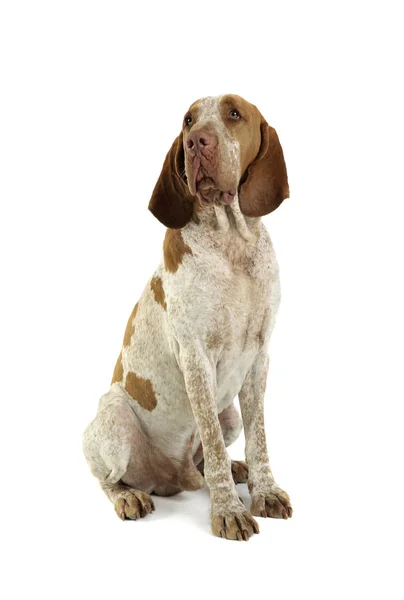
(226, 219)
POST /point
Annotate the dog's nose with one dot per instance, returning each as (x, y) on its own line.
(199, 140)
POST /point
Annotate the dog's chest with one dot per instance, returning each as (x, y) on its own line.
(239, 332)
(225, 302)
(238, 316)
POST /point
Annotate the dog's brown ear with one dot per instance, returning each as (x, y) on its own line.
(266, 185)
(171, 203)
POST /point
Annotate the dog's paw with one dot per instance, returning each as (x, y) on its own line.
(239, 470)
(235, 526)
(133, 504)
(273, 502)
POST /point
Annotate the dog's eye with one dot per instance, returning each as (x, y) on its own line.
(235, 114)
(188, 120)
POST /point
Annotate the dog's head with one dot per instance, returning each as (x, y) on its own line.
(226, 150)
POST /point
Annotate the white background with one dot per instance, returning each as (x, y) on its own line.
(92, 95)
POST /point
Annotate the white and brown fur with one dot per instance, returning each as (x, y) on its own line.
(198, 336)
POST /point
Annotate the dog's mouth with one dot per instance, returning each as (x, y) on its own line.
(202, 184)
(208, 193)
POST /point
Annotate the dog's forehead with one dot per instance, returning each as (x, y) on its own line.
(209, 106)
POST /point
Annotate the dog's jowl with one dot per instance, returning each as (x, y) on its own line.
(198, 335)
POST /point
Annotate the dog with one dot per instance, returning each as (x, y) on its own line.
(198, 336)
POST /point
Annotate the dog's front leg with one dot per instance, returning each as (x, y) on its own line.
(229, 517)
(268, 499)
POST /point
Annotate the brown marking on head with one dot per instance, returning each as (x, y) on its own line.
(246, 129)
(174, 249)
(141, 390)
(157, 286)
(118, 371)
(263, 177)
(130, 327)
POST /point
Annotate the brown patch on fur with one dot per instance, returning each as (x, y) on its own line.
(264, 176)
(141, 390)
(130, 327)
(171, 202)
(118, 371)
(157, 286)
(174, 249)
(266, 186)
(213, 340)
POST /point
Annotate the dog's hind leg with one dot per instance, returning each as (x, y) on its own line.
(128, 502)
(117, 452)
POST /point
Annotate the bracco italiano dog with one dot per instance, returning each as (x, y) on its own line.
(198, 336)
